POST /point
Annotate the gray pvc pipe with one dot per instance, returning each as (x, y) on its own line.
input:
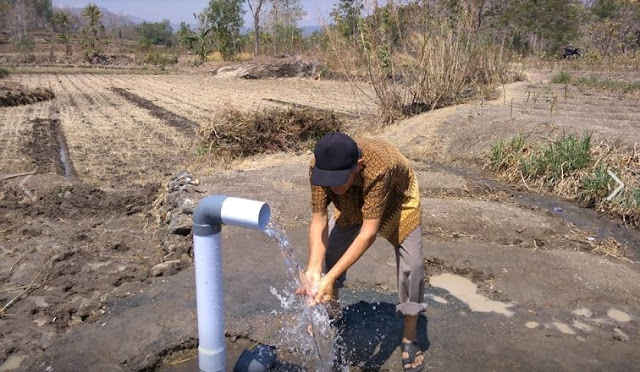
(208, 216)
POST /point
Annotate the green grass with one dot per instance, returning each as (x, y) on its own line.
(562, 77)
(635, 197)
(609, 84)
(502, 151)
(558, 158)
(567, 166)
(595, 187)
(595, 82)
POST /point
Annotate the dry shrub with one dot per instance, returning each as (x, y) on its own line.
(239, 134)
(417, 61)
(605, 248)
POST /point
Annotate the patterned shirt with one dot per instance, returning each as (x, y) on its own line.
(386, 188)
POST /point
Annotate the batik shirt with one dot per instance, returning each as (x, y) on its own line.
(386, 188)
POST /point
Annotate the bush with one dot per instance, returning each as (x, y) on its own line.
(562, 78)
(417, 60)
(158, 59)
(269, 131)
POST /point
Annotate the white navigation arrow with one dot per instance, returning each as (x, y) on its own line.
(617, 190)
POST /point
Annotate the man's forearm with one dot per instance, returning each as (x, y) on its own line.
(318, 236)
(361, 243)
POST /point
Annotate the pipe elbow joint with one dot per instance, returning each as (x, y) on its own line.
(216, 210)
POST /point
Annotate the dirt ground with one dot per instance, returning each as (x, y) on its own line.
(93, 278)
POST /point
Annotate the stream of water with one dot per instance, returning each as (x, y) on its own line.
(311, 329)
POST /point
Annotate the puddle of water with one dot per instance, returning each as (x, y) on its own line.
(62, 149)
(12, 363)
(435, 298)
(311, 329)
(582, 326)
(564, 328)
(583, 312)
(532, 325)
(619, 316)
(464, 289)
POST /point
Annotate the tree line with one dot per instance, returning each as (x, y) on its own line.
(526, 26)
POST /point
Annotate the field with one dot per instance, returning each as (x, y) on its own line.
(88, 255)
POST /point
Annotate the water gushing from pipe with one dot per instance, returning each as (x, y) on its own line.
(314, 320)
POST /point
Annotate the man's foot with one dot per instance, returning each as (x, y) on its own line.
(412, 357)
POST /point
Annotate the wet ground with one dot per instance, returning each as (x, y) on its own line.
(515, 283)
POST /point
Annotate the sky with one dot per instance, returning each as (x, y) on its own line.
(182, 10)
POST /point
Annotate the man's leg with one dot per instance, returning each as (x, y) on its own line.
(409, 260)
(339, 241)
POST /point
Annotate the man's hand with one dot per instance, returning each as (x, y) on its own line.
(324, 293)
(309, 281)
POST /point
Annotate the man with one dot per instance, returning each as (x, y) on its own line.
(374, 192)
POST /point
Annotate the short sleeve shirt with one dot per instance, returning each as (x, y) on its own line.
(386, 188)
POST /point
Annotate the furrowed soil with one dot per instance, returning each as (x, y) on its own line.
(94, 279)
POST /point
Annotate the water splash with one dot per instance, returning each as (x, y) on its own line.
(311, 329)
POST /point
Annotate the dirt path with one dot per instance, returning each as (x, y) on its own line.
(514, 284)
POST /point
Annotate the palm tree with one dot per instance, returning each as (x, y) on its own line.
(93, 33)
(62, 24)
(199, 43)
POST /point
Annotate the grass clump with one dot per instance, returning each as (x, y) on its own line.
(240, 134)
(595, 187)
(570, 166)
(548, 163)
(609, 84)
(3, 72)
(562, 77)
(159, 59)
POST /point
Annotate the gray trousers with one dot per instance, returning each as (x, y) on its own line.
(409, 269)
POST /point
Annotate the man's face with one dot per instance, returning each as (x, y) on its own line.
(341, 190)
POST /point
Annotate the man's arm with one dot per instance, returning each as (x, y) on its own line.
(318, 241)
(361, 243)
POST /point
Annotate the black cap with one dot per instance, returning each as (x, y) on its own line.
(336, 156)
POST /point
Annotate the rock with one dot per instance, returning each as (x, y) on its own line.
(180, 225)
(187, 205)
(172, 200)
(87, 307)
(166, 268)
(619, 335)
(46, 340)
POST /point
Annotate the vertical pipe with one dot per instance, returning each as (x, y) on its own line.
(207, 253)
(208, 217)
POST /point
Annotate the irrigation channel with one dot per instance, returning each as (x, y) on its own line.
(584, 218)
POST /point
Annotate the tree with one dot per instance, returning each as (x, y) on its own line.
(21, 18)
(198, 42)
(44, 12)
(346, 14)
(158, 33)
(63, 24)
(537, 25)
(283, 18)
(93, 38)
(184, 31)
(223, 18)
(255, 6)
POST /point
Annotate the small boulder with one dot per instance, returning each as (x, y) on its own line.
(180, 225)
(166, 268)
